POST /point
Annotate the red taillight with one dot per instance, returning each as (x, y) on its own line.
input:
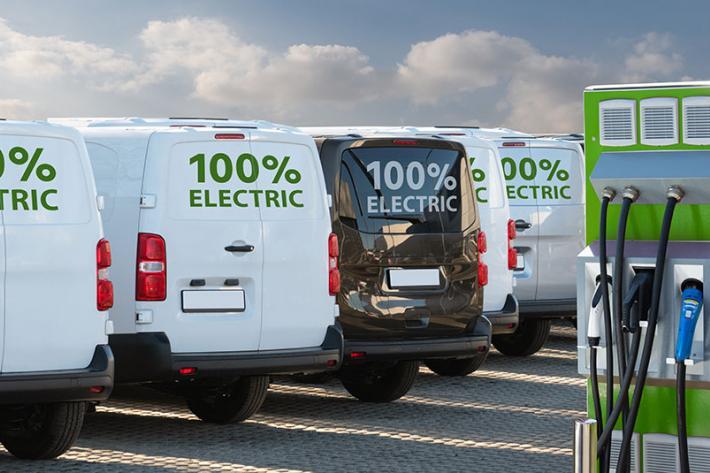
(97, 389)
(512, 252)
(333, 271)
(229, 136)
(187, 371)
(104, 287)
(512, 232)
(151, 268)
(358, 355)
(482, 274)
(103, 254)
(482, 242)
(512, 257)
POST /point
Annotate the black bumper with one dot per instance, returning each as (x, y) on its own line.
(478, 341)
(93, 383)
(548, 309)
(147, 357)
(505, 320)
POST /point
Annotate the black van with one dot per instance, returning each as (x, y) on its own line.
(411, 289)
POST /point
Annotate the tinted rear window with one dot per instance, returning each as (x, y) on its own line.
(405, 190)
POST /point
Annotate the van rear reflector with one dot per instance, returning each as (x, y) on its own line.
(229, 136)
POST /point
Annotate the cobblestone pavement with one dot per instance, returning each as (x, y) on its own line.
(513, 415)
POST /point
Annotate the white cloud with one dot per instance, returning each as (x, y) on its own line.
(456, 63)
(49, 59)
(540, 92)
(201, 66)
(15, 109)
(228, 71)
(653, 59)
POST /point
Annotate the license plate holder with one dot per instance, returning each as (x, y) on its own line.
(414, 278)
(213, 300)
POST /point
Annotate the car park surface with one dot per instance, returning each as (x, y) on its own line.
(512, 412)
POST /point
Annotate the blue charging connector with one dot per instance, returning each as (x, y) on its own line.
(691, 305)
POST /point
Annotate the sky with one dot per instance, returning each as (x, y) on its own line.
(521, 65)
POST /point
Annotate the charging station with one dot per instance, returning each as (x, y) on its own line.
(643, 340)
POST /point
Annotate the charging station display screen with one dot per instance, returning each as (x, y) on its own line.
(405, 190)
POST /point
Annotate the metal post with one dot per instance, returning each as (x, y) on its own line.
(585, 446)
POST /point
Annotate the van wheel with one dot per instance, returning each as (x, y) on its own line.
(231, 403)
(528, 339)
(384, 386)
(457, 367)
(45, 430)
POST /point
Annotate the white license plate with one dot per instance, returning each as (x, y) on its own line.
(414, 278)
(224, 300)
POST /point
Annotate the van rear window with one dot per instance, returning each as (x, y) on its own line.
(405, 190)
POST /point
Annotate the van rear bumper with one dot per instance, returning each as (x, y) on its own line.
(61, 385)
(478, 341)
(147, 357)
(505, 320)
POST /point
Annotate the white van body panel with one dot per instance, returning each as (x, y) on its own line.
(552, 202)
(493, 204)
(51, 321)
(284, 279)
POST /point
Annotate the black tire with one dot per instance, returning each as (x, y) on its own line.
(47, 431)
(231, 403)
(528, 339)
(386, 385)
(457, 367)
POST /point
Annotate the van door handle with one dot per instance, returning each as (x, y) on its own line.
(521, 225)
(239, 248)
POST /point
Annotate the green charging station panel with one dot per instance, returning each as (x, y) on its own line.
(691, 221)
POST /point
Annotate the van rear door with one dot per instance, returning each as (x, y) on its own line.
(519, 171)
(408, 259)
(561, 205)
(205, 211)
(297, 307)
(51, 232)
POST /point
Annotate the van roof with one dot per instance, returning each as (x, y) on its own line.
(171, 122)
(38, 128)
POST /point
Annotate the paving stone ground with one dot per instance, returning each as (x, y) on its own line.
(513, 415)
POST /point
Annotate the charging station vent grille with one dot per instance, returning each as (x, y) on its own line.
(658, 123)
(616, 446)
(696, 120)
(617, 124)
(699, 453)
(660, 453)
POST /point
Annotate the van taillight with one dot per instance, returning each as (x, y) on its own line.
(104, 287)
(333, 271)
(512, 252)
(512, 232)
(151, 274)
(482, 273)
(482, 242)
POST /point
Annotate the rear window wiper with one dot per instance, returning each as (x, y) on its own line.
(414, 218)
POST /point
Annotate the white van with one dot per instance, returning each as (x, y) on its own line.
(54, 353)
(225, 263)
(545, 187)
